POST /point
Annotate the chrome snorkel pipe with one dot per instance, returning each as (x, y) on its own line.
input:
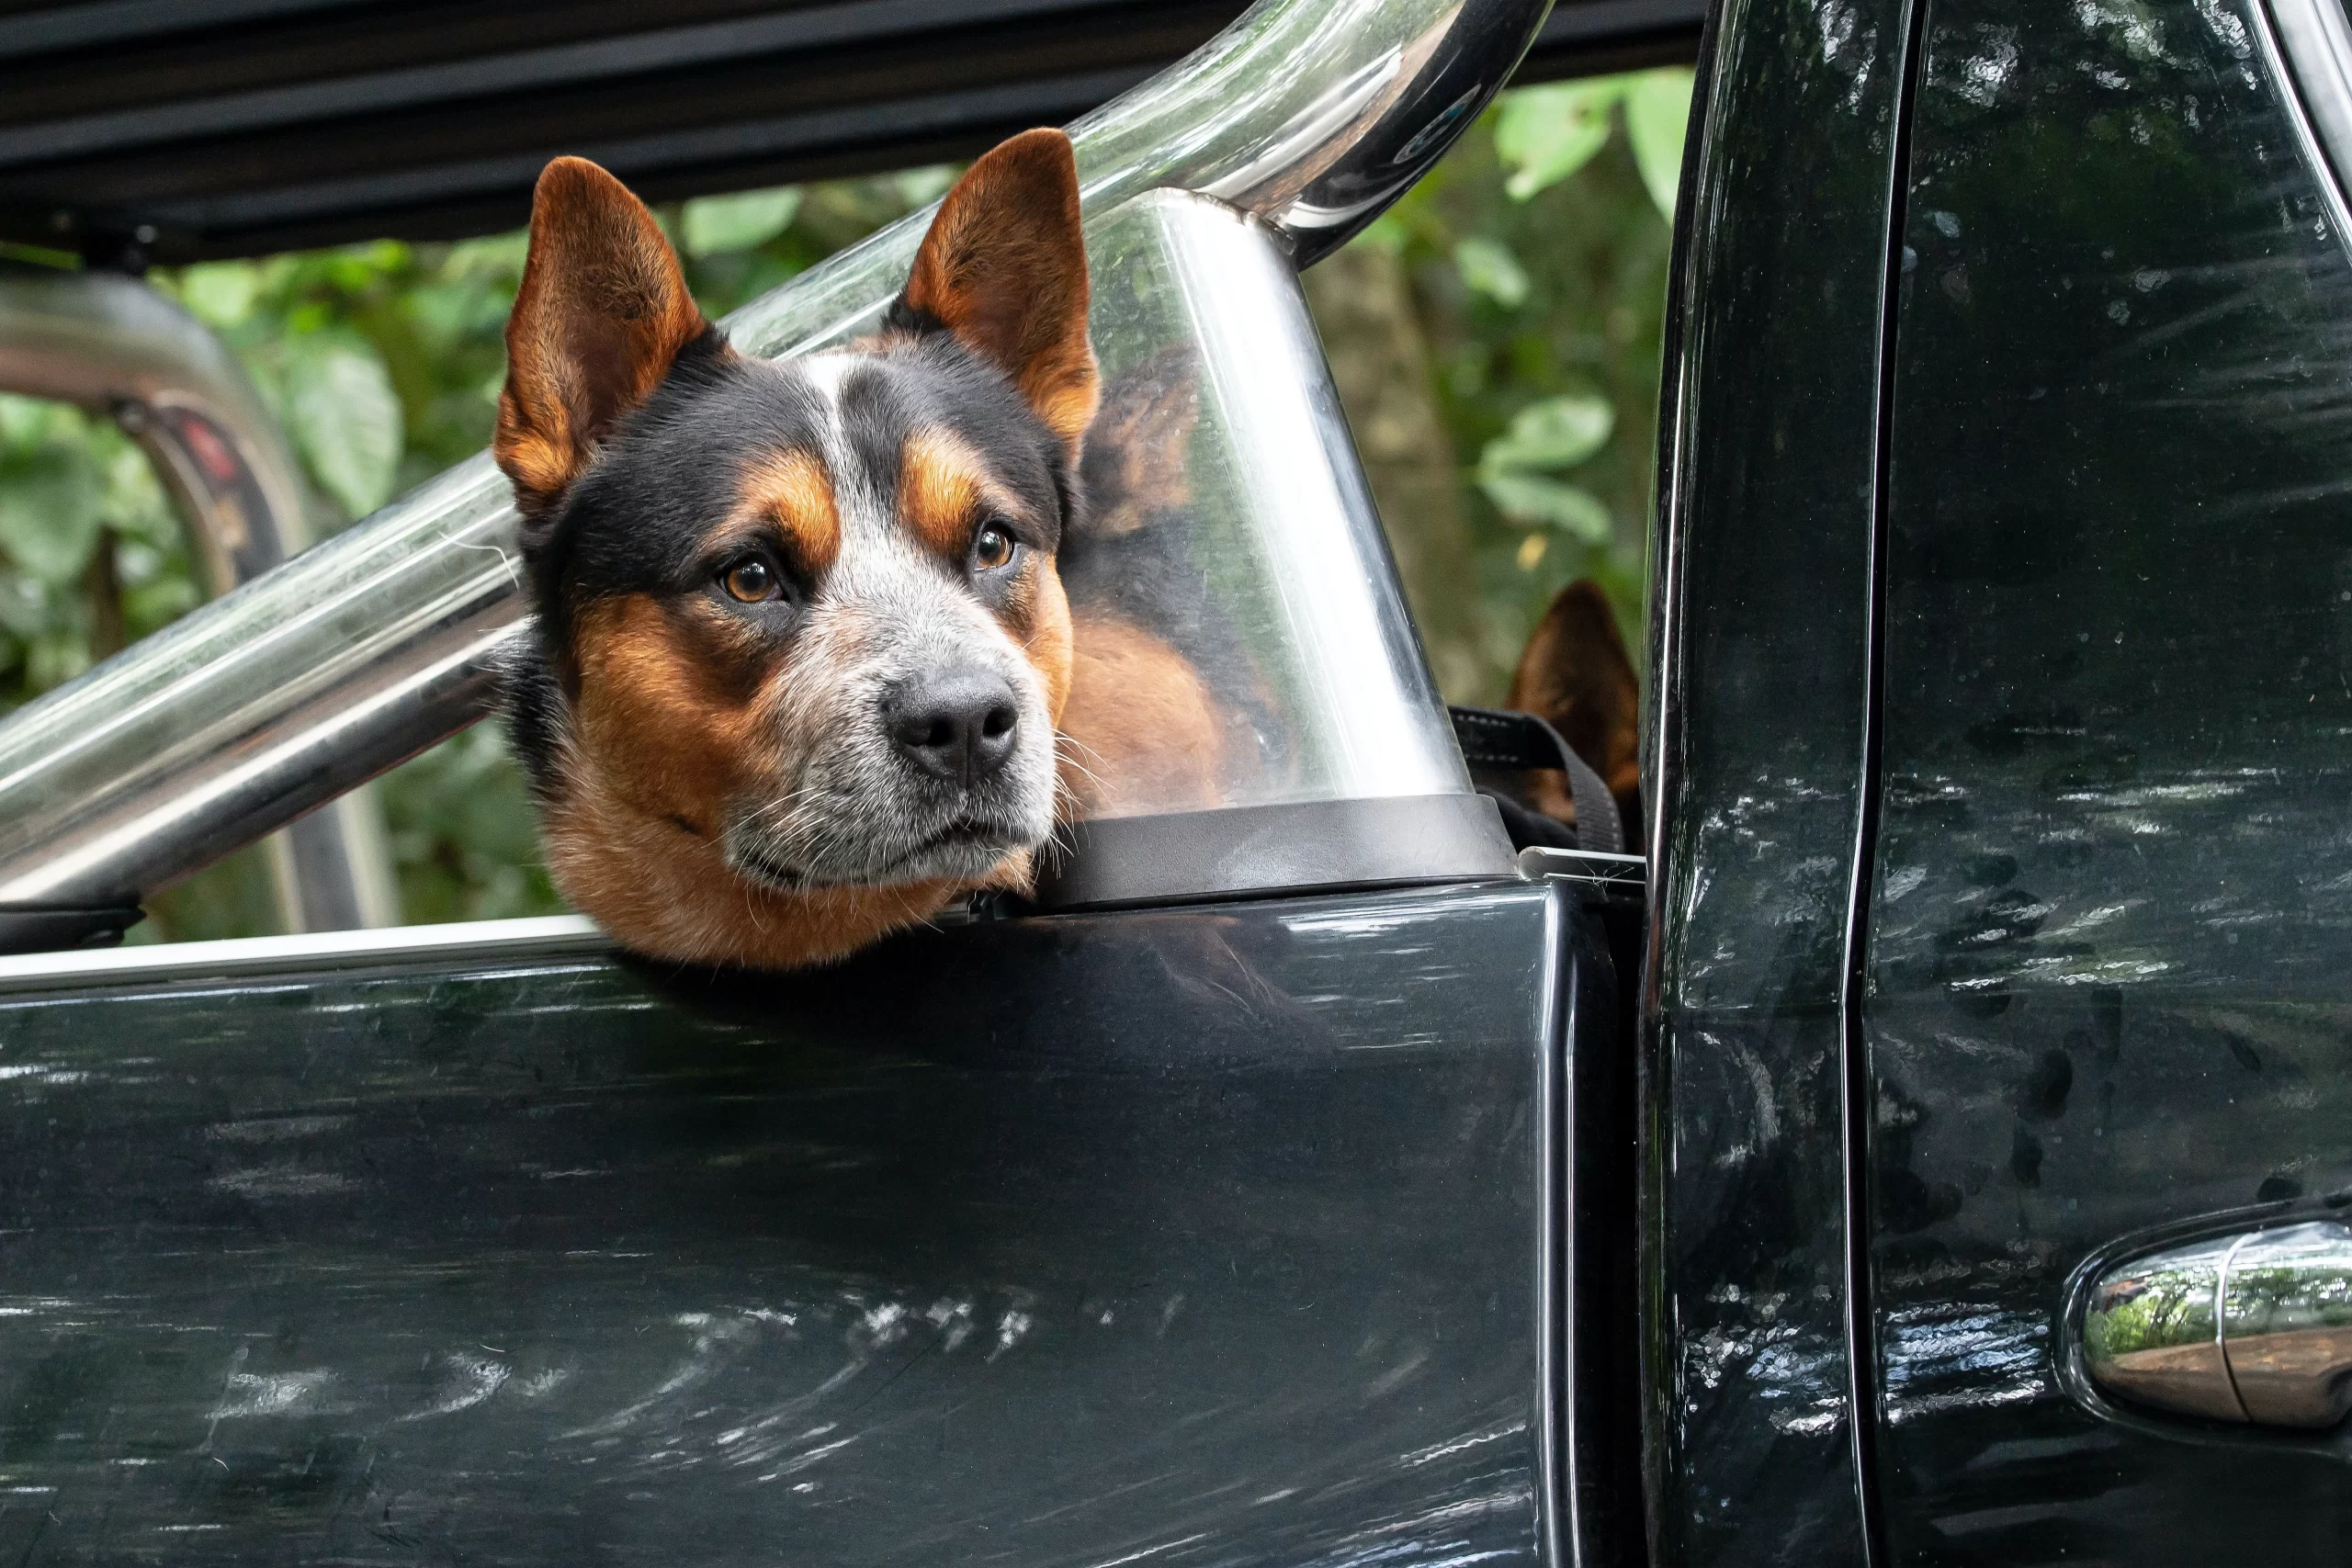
(1308, 115)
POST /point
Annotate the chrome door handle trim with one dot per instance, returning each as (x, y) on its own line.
(2254, 1329)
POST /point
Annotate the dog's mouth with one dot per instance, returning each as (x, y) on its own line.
(982, 843)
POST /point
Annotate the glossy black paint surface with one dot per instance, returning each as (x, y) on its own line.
(2111, 936)
(1764, 575)
(1187, 1236)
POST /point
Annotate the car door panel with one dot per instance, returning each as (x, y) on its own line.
(1198, 1234)
(2107, 981)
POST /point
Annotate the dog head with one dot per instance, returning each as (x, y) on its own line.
(801, 645)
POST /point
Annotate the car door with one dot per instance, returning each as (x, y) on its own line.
(1995, 1036)
(1215, 1233)
(2110, 912)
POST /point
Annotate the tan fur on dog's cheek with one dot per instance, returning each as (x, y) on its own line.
(1048, 641)
(654, 720)
(1146, 732)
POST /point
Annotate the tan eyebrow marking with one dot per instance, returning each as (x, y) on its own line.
(794, 489)
(942, 481)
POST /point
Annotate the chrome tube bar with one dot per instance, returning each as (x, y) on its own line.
(1310, 116)
(115, 347)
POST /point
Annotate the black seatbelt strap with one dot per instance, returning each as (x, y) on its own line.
(1495, 737)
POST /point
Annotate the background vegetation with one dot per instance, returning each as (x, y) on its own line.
(1496, 338)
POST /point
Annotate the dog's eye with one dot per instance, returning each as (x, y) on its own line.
(751, 580)
(991, 547)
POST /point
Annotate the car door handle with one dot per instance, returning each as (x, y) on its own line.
(2255, 1327)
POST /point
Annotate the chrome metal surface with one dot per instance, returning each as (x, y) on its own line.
(1594, 868)
(263, 705)
(1306, 115)
(2152, 1332)
(488, 942)
(2309, 44)
(2253, 1328)
(1301, 622)
(112, 344)
(2287, 1325)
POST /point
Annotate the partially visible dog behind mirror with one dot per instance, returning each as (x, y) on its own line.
(1575, 675)
(799, 646)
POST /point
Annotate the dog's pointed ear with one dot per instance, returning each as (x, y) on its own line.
(1003, 268)
(1575, 675)
(600, 317)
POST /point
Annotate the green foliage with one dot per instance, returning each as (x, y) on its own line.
(715, 223)
(1514, 469)
(1546, 134)
(1548, 383)
(1657, 114)
(341, 410)
(71, 489)
(464, 838)
(1489, 268)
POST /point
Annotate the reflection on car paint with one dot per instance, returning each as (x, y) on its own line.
(1226, 1247)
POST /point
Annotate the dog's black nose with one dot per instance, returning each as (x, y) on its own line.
(959, 728)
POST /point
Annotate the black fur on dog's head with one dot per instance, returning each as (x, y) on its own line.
(799, 646)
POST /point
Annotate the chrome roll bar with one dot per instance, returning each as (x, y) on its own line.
(1309, 116)
(114, 347)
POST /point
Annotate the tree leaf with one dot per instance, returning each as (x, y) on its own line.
(715, 223)
(342, 412)
(1556, 433)
(221, 294)
(1657, 115)
(1531, 498)
(922, 186)
(1487, 268)
(25, 421)
(1544, 134)
(50, 509)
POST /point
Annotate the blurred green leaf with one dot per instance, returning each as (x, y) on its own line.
(715, 223)
(50, 510)
(344, 416)
(1531, 498)
(221, 294)
(24, 421)
(1487, 268)
(1657, 115)
(1544, 134)
(920, 187)
(1554, 433)
(496, 256)
(25, 609)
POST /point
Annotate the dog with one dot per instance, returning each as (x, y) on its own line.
(1575, 675)
(820, 645)
(798, 647)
